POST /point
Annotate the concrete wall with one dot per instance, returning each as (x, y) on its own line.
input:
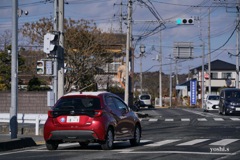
(28, 102)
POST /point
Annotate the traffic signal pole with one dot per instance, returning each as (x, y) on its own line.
(60, 56)
(14, 73)
(55, 65)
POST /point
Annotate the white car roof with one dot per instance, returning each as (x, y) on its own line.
(85, 93)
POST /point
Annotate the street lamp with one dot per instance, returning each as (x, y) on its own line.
(142, 50)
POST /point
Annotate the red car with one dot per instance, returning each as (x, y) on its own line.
(87, 117)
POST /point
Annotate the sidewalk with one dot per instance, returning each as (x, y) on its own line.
(28, 139)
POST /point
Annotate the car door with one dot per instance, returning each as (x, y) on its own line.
(126, 122)
(116, 115)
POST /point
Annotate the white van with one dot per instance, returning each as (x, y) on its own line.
(145, 100)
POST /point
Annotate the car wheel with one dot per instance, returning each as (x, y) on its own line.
(51, 145)
(83, 144)
(225, 112)
(108, 143)
(137, 136)
(219, 111)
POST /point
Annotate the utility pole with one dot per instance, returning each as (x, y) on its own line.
(60, 57)
(121, 17)
(55, 76)
(170, 83)
(129, 20)
(141, 73)
(160, 70)
(202, 75)
(209, 52)
(237, 52)
(14, 73)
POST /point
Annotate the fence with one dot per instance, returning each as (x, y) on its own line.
(28, 102)
(36, 119)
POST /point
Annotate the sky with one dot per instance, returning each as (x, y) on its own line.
(146, 15)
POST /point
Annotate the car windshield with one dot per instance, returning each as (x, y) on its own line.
(145, 97)
(232, 94)
(69, 103)
(213, 97)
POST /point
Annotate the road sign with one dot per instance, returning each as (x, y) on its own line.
(49, 67)
(193, 92)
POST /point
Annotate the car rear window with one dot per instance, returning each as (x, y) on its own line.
(78, 103)
(145, 97)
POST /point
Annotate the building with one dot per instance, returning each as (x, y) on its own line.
(223, 74)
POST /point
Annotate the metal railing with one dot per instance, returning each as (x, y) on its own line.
(36, 119)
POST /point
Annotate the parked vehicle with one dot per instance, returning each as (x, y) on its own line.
(211, 102)
(87, 117)
(229, 101)
(144, 100)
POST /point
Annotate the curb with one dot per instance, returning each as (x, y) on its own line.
(17, 144)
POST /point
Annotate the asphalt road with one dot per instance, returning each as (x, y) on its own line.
(168, 134)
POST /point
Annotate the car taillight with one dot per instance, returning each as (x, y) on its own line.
(50, 114)
(98, 113)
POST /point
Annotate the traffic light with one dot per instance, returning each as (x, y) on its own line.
(40, 67)
(50, 42)
(185, 21)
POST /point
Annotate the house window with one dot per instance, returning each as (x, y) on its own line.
(214, 75)
(226, 75)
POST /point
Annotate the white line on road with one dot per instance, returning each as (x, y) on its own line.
(153, 120)
(169, 120)
(235, 119)
(224, 142)
(185, 119)
(177, 152)
(218, 119)
(202, 119)
(160, 143)
(193, 142)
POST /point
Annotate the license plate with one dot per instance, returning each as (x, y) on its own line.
(73, 119)
(237, 109)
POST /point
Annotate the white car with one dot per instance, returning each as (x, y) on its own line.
(211, 102)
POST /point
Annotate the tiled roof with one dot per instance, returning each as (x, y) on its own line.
(218, 65)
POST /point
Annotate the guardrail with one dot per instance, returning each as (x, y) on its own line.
(36, 119)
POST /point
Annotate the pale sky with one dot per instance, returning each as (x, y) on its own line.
(106, 14)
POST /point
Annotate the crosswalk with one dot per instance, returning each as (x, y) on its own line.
(218, 119)
(181, 142)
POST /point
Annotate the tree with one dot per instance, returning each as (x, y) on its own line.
(34, 84)
(5, 70)
(85, 49)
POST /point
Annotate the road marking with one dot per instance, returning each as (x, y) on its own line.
(193, 142)
(199, 113)
(218, 119)
(145, 141)
(178, 152)
(153, 120)
(202, 119)
(160, 143)
(185, 119)
(223, 142)
(169, 120)
(235, 119)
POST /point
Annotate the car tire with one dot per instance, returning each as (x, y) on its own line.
(225, 112)
(84, 144)
(108, 143)
(137, 136)
(219, 111)
(51, 146)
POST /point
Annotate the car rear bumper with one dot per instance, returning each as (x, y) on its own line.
(72, 135)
